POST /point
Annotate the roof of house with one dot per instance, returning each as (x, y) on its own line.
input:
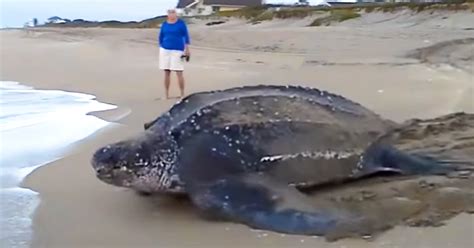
(234, 2)
(184, 3)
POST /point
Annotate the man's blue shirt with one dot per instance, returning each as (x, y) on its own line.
(174, 36)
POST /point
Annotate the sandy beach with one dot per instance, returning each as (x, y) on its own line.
(372, 60)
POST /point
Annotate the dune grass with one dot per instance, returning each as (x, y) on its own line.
(336, 15)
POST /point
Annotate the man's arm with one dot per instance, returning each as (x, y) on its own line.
(187, 40)
(160, 37)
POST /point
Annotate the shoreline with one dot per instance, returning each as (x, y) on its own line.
(18, 124)
(112, 66)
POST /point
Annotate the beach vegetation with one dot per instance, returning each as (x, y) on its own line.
(335, 15)
(265, 16)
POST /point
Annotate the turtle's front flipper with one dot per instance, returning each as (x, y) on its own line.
(262, 203)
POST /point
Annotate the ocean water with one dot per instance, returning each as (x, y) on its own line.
(36, 127)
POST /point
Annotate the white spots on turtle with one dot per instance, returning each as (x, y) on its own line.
(197, 127)
(321, 93)
(141, 163)
(271, 158)
(206, 111)
(226, 197)
(216, 132)
(238, 151)
(170, 133)
(163, 178)
(242, 161)
(359, 167)
(137, 155)
(168, 166)
(230, 144)
(329, 98)
(298, 214)
(193, 120)
(360, 164)
(186, 101)
(237, 141)
(302, 184)
(213, 149)
(182, 132)
(198, 113)
(223, 154)
(311, 155)
(227, 128)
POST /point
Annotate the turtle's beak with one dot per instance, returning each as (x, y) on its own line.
(110, 167)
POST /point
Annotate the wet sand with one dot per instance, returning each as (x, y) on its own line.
(363, 60)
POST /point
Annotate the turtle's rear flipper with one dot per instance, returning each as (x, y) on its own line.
(382, 157)
(262, 203)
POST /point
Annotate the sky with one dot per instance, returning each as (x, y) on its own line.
(15, 13)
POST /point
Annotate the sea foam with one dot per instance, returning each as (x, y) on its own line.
(36, 127)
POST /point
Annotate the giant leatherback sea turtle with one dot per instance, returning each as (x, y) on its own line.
(243, 154)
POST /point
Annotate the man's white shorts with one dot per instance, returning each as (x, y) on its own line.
(171, 60)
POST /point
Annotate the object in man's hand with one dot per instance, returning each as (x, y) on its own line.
(187, 57)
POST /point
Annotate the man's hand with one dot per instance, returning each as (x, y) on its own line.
(186, 51)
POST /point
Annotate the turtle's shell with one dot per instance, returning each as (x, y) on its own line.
(257, 125)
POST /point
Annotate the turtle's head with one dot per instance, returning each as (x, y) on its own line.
(146, 163)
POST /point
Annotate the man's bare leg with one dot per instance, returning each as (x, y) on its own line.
(167, 83)
(181, 82)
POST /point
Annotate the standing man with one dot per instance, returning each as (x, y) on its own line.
(174, 45)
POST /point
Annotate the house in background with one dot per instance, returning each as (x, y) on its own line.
(208, 7)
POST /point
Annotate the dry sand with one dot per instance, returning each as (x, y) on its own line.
(365, 60)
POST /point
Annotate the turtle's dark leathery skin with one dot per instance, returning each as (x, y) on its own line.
(238, 152)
